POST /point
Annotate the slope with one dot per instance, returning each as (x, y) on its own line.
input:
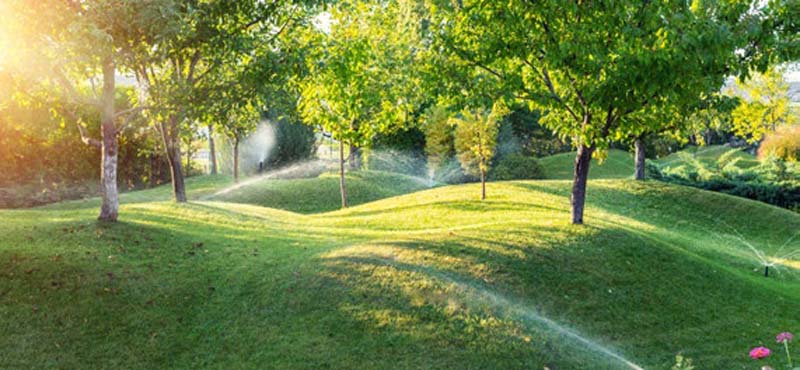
(434, 279)
(618, 165)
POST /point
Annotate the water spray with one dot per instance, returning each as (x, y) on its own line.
(766, 260)
(261, 167)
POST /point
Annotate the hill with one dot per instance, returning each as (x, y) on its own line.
(319, 194)
(618, 165)
(434, 279)
(304, 195)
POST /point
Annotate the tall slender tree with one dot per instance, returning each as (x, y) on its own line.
(72, 44)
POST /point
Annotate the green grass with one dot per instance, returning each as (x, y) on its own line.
(618, 165)
(434, 279)
(321, 194)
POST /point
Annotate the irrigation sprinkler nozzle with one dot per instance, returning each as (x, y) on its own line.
(766, 271)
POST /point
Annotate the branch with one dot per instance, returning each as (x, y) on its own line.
(129, 119)
(85, 138)
(88, 140)
(72, 93)
(133, 111)
(549, 83)
(461, 54)
(274, 37)
(192, 65)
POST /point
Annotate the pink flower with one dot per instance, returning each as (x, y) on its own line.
(759, 353)
(784, 337)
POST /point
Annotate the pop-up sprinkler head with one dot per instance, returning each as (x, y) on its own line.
(766, 271)
(260, 167)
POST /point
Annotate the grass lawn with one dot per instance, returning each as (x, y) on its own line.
(618, 165)
(433, 279)
(314, 195)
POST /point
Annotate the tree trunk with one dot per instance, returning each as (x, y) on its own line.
(189, 153)
(169, 132)
(639, 159)
(212, 151)
(342, 186)
(483, 184)
(236, 160)
(582, 162)
(109, 210)
(155, 173)
(355, 158)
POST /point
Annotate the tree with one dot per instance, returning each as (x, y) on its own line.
(476, 139)
(212, 150)
(439, 145)
(765, 106)
(354, 89)
(238, 124)
(190, 51)
(589, 65)
(70, 43)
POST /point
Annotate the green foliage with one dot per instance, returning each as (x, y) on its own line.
(772, 181)
(643, 53)
(516, 167)
(476, 137)
(530, 135)
(43, 158)
(784, 143)
(294, 142)
(353, 89)
(439, 141)
(239, 122)
(765, 108)
(402, 151)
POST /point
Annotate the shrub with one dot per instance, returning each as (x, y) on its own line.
(773, 181)
(516, 167)
(398, 161)
(294, 142)
(784, 143)
(402, 152)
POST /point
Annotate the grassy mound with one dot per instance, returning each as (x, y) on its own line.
(435, 279)
(618, 165)
(319, 194)
(309, 195)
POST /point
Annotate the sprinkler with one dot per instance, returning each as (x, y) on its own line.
(260, 167)
(766, 271)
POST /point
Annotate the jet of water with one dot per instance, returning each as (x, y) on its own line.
(477, 294)
(302, 169)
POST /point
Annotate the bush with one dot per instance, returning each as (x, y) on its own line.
(772, 181)
(516, 167)
(294, 142)
(451, 172)
(784, 143)
(401, 152)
